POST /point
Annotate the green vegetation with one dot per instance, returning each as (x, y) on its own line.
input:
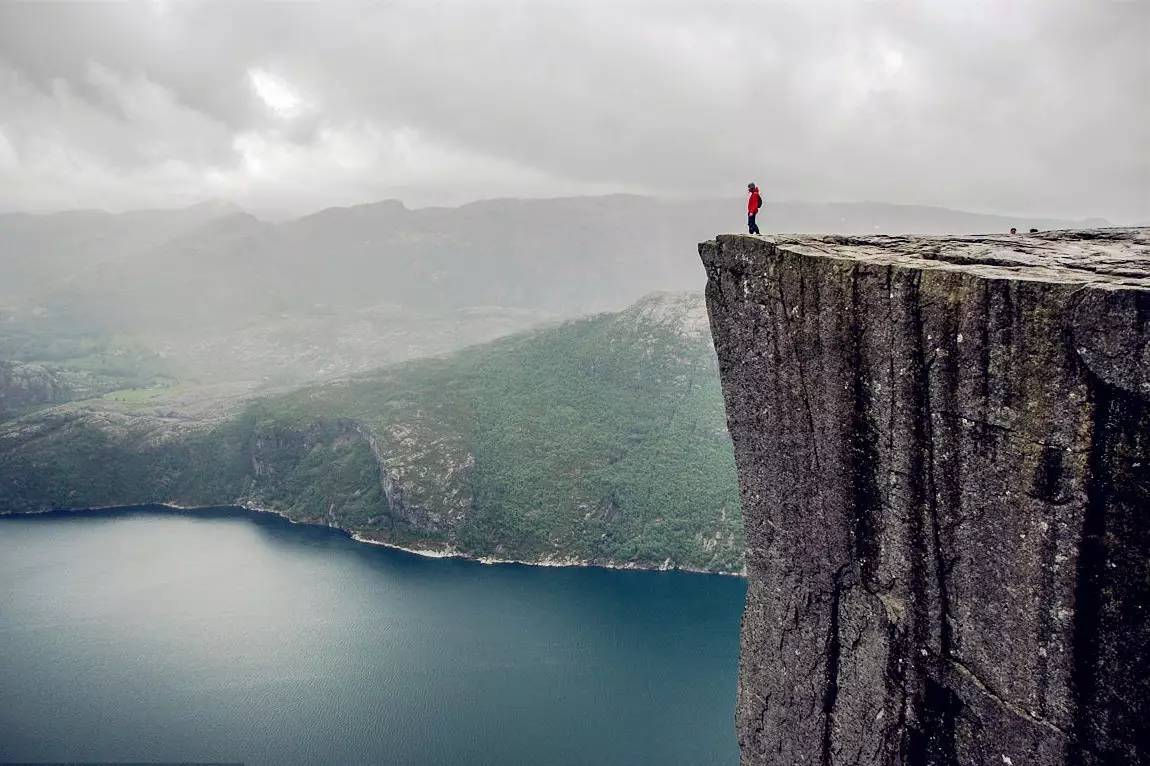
(65, 342)
(46, 361)
(144, 396)
(599, 440)
(77, 459)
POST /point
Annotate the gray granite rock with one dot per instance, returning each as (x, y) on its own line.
(943, 447)
(26, 385)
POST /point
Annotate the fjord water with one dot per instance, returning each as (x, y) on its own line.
(224, 635)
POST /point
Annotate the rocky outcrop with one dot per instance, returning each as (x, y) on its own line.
(423, 477)
(396, 510)
(943, 446)
(27, 385)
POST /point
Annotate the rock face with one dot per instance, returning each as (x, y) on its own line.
(23, 385)
(943, 446)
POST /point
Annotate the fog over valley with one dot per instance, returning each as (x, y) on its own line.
(217, 293)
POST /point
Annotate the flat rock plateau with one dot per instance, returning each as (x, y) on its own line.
(943, 447)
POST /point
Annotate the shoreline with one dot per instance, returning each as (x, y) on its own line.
(447, 552)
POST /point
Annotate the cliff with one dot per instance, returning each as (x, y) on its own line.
(26, 385)
(943, 446)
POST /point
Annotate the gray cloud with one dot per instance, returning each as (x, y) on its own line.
(1035, 106)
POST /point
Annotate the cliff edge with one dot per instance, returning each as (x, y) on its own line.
(943, 447)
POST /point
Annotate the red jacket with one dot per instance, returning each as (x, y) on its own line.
(754, 202)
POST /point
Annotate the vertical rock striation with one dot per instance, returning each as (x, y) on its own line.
(943, 446)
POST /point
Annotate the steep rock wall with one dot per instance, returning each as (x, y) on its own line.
(943, 446)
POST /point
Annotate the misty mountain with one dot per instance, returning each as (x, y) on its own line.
(570, 255)
(226, 294)
(39, 254)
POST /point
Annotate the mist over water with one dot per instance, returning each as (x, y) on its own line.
(230, 636)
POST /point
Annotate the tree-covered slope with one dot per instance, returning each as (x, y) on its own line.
(600, 440)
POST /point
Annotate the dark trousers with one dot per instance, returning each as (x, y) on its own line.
(752, 227)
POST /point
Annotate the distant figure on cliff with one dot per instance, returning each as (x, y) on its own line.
(754, 204)
(1013, 230)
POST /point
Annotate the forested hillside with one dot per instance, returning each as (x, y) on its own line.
(598, 440)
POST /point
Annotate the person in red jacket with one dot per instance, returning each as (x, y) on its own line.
(754, 204)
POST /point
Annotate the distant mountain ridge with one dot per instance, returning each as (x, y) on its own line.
(569, 255)
(220, 294)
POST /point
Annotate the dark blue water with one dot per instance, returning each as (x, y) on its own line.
(231, 636)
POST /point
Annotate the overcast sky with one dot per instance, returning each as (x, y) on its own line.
(1022, 106)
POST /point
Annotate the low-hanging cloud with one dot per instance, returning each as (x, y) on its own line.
(1012, 105)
